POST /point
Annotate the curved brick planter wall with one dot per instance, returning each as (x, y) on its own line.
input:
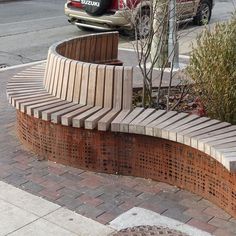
(130, 154)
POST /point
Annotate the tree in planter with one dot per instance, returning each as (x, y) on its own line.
(212, 67)
(151, 29)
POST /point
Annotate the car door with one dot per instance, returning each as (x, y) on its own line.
(185, 8)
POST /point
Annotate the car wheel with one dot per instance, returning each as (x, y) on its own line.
(143, 24)
(203, 13)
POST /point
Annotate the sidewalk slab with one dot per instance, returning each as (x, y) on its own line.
(20, 214)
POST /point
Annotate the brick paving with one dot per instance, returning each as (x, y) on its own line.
(98, 196)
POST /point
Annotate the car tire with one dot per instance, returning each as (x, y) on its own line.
(97, 10)
(203, 13)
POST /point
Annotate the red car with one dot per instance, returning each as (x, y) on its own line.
(114, 14)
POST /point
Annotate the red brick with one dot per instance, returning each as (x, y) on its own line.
(202, 225)
(105, 218)
(91, 182)
(51, 195)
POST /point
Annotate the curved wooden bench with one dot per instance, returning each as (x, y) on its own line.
(72, 91)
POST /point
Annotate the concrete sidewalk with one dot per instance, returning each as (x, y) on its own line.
(96, 196)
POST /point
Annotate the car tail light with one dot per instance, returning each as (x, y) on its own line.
(76, 4)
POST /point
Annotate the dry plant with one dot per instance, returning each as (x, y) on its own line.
(154, 27)
(213, 68)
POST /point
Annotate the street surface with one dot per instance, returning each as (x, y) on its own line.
(28, 28)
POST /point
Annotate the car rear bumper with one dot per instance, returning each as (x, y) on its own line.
(106, 21)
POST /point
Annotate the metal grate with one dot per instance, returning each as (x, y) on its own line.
(147, 230)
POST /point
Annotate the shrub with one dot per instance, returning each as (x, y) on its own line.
(213, 69)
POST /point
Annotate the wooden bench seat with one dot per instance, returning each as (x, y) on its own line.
(75, 92)
(65, 104)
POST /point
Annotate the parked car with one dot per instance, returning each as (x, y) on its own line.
(112, 14)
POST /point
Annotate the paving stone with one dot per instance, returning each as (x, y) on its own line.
(86, 199)
(32, 187)
(224, 224)
(105, 218)
(217, 212)
(89, 211)
(42, 227)
(69, 202)
(77, 223)
(198, 214)
(158, 208)
(202, 225)
(223, 232)
(73, 177)
(50, 195)
(177, 214)
(191, 203)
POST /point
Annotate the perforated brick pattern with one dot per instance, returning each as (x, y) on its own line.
(129, 154)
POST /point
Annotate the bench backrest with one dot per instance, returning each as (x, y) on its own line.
(71, 73)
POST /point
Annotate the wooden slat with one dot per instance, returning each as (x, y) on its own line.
(56, 116)
(183, 135)
(66, 119)
(115, 46)
(158, 128)
(100, 86)
(127, 88)
(46, 114)
(149, 129)
(53, 89)
(133, 125)
(15, 101)
(93, 49)
(92, 84)
(108, 99)
(165, 132)
(55, 73)
(197, 135)
(77, 49)
(49, 73)
(60, 78)
(84, 84)
(30, 108)
(64, 89)
(92, 121)
(221, 140)
(77, 86)
(78, 121)
(103, 46)
(23, 105)
(214, 136)
(173, 133)
(115, 124)
(37, 112)
(118, 87)
(124, 124)
(71, 81)
(105, 122)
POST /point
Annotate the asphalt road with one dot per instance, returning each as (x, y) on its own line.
(28, 28)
